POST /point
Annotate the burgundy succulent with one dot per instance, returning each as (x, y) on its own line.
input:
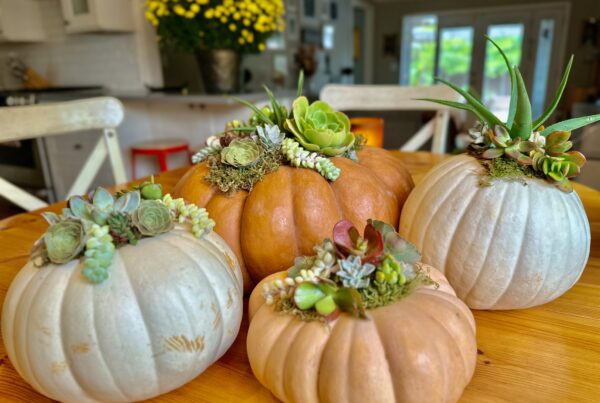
(347, 239)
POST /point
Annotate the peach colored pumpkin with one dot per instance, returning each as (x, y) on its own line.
(422, 348)
(293, 209)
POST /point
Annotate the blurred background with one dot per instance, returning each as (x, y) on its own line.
(167, 66)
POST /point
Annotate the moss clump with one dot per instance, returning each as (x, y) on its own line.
(287, 306)
(506, 169)
(230, 179)
(383, 293)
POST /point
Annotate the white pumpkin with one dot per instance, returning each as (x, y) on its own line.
(503, 246)
(170, 308)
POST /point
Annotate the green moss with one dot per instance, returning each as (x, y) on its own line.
(231, 179)
(383, 293)
(503, 168)
(287, 306)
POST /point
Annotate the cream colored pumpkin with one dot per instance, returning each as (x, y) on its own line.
(422, 348)
(504, 246)
(171, 307)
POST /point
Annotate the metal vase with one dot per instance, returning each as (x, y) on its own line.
(220, 69)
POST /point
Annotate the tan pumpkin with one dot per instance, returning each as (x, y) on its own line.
(293, 209)
(422, 348)
(504, 246)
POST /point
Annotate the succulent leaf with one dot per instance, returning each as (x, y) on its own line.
(307, 295)
(571, 124)
(492, 153)
(482, 111)
(522, 125)
(240, 153)
(152, 217)
(512, 108)
(64, 240)
(561, 88)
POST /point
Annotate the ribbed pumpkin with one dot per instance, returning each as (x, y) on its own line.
(503, 246)
(292, 209)
(422, 348)
(171, 307)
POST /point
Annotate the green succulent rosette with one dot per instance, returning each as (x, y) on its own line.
(240, 153)
(320, 128)
(152, 217)
(65, 240)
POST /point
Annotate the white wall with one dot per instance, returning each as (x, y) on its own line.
(122, 61)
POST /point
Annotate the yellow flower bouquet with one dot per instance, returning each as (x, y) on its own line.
(240, 25)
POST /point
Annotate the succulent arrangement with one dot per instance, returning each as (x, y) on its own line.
(95, 227)
(522, 146)
(351, 273)
(307, 136)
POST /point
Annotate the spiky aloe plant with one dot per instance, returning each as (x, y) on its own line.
(522, 138)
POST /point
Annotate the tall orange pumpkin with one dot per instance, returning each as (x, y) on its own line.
(292, 209)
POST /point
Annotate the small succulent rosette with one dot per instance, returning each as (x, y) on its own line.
(361, 318)
(307, 136)
(521, 147)
(126, 297)
(94, 228)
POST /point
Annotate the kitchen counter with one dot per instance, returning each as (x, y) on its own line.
(201, 99)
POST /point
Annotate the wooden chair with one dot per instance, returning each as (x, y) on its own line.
(397, 98)
(31, 122)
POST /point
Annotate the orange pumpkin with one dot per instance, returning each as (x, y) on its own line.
(421, 348)
(292, 209)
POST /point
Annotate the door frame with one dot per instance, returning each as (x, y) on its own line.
(369, 48)
(482, 17)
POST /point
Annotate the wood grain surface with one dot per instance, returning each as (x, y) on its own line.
(549, 353)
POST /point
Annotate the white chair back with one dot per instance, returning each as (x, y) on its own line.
(30, 122)
(397, 98)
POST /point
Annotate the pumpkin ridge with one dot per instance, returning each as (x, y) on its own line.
(467, 294)
(519, 257)
(29, 368)
(446, 196)
(387, 361)
(280, 384)
(541, 287)
(99, 347)
(12, 348)
(217, 310)
(119, 258)
(442, 374)
(290, 174)
(257, 314)
(459, 223)
(445, 302)
(417, 198)
(394, 165)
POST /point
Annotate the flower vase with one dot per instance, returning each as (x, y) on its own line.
(220, 69)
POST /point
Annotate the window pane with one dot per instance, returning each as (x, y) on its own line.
(456, 49)
(542, 67)
(496, 80)
(418, 50)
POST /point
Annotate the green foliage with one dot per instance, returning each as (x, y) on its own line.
(240, 153)
(64, 240)
(152, 218)
(299, 157)
(230, 179)
(385, 293)
(320, 128)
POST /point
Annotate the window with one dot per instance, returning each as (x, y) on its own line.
(417, 64)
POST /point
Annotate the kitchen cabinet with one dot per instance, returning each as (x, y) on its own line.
(98, 15)
(20, 21)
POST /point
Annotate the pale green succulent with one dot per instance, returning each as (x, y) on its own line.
(102, 206)
(354, 273)
(320, 128)
(64, 240)
(152, 217)
(240, 153)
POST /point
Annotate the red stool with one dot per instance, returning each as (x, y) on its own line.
(161, 148)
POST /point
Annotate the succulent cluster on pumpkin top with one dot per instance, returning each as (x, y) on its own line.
(350, 274)
(522, 146)
(94, 228)
(307, 136)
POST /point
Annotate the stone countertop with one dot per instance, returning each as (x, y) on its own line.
(204, 99)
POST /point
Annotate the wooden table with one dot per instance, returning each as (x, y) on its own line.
(546, 354)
